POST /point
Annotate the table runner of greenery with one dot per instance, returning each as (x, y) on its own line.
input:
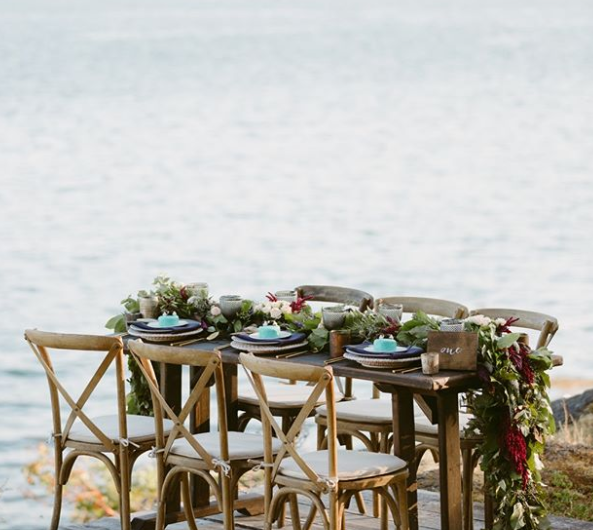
(511, 411)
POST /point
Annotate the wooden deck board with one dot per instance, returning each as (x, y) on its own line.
(429, 516)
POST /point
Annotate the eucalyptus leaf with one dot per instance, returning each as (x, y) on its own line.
(507, 340)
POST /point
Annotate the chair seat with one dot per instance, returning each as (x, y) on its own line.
(242, 446)
(376, 411)
(282, 396)
(140, 429)
(423, 425)
(352, 465)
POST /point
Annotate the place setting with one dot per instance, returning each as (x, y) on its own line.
(166, 328)
(269, 339)
(383, 352)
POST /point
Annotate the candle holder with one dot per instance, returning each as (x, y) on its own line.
(333, 317)
(230, 305)
(338, 339)
(394, 311)
(430, 362)
(451, 324)
(149, 306)
(199, 288)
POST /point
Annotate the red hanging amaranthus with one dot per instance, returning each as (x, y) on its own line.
(516, 449)
(520, 359)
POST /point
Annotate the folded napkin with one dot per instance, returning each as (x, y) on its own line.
(293, 339)
(412, 351)
(190, 326)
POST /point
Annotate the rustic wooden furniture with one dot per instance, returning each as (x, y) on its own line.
(546, 325)
(370, 420)
(427, 434)
(333, 472)
(124, 437)
(443, 388)
(285, 400)
(226, 454)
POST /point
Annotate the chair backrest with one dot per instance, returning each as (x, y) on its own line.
(43, 342)
(339, 295)
(430, 306)
(547, 325)
(321, 381)
(211, 365)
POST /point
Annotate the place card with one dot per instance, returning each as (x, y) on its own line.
(458, 350)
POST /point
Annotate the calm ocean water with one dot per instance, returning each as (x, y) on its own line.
(410, 147)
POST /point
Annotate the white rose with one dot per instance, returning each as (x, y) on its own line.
(275, 313)
(277, 304)
(215, 310)
(500, 321)
(286, 309)
(480, 320)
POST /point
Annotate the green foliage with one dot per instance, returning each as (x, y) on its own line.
(414, 332)
(512, 412)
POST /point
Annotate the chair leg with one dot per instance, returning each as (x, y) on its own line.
(58, 488)
(468, 488)
(187, 504)
(295, 517)
(402, 504)
(228, 509)
(124, 492)
(335, 521)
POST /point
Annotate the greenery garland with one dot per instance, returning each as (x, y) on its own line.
(511, 411)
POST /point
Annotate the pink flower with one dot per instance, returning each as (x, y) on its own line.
(215, 311)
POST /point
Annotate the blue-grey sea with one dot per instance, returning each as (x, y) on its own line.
(414, 147)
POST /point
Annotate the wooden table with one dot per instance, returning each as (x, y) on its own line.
(437, 395)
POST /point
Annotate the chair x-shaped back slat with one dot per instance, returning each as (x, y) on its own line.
(288, 440)
(76, 406)
(179, 419)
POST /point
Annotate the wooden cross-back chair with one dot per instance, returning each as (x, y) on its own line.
(337, 473)
(427, 433)
(123, 436)
(371, 420)
(286, 400)
(226, 454)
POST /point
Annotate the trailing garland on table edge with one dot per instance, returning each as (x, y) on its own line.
(511, 411)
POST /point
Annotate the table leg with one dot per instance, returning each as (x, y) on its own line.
(199, 422)
(404, 445)
(170, 383)
(231, 392)
(449, 461)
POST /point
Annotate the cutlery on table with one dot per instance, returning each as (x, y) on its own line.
(334, 360)
(405, 370)
(291, 355)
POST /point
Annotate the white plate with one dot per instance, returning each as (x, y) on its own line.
(156, 324)
(371, 349)
(281, 335)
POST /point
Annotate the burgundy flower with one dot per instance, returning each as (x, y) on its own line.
(520, 359)
(271, 297)
(392, 328)
(183, 293)
(516, 449)
(299, 303)
(506, 327)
